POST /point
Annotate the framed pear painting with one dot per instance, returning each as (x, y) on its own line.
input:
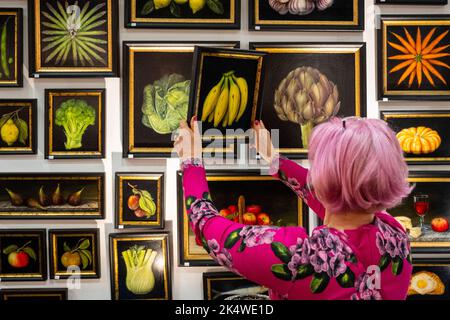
(11, 47)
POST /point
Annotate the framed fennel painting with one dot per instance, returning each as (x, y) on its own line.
(74, 38)
(292, 103)
(11, 47)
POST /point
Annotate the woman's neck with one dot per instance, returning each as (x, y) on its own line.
(348, 220)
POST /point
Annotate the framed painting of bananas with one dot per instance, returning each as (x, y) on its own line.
(139, 200)
(194, 14)
(307, 85)
(155, 102)
(237, 196)
(74, 38)
(423, 135)
(74, 123)
(430, 282)
(18, 126)
(290, 15)
(226, 89)
(425, 214)
(147, 277)
(52, 196)
(11, 24)
(414, 57)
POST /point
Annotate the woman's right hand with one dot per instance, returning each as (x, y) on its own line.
(263, 142)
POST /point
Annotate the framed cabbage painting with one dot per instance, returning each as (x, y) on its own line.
(11, 24)
(414, 57)
(307, 84)
(73, 38)
(291, 15)
(195, 14)
(155, 102)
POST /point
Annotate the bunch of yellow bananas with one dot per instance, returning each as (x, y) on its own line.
(227, 100)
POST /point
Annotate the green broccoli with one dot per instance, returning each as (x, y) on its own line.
(75, 116)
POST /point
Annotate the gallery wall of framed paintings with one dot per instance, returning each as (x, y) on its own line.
(91, 183)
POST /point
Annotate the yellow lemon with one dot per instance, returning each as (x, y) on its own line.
(181, 1)
(197, 5)
(9, 132)
(159, 4)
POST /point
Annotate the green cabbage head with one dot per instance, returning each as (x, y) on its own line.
(166, 103)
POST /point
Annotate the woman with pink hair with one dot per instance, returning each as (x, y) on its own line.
(357, 171)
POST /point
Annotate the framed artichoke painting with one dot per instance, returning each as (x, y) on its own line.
(291, 15)
(147, 277)
(194, 14)
(430, 282)
(423, 135)
(34, 294)
(75, 123)
(410, 2)
(414, 57)
(139, 200)
(74, 252)
(74, 38)
(11, 24)
(52, 196)
(229, 286)
(23, 256)
(425, 214)
(308, 84)
(18, 126)
(155, 102)
(238, 197)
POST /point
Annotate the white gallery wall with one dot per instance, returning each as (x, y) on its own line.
(186, 282)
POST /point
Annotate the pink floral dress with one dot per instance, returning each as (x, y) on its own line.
(372, 262)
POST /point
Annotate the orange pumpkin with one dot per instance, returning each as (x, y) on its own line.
(419, 140)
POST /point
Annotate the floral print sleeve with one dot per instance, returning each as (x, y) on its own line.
(295, 177)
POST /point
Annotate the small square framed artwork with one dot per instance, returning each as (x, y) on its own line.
(11, 47)
(74, 252)
(75, 123)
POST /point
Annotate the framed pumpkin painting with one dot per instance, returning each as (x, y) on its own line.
(75, 38)
(414, 57)
(11, 24)
(198, 14)
(291, 15)
(338, 69)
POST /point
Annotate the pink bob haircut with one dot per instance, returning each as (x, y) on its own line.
(357, 165)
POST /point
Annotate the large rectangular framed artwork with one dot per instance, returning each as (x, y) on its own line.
(11, 47)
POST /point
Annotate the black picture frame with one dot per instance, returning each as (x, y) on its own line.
(342, 63)
(34, 294)
(403, 119)
(55, 137)
(123, 217)
(40, 68)
(192, 255)
(230, 282)
(289, 22)
(397, 87)
(133, 19)
(26, 109)
(15, 78)
(69, 241)
(412, 2)
(162, 279)
(157, 146)
(433, 275)
(219, 60)
(91, 209)
(30, 269)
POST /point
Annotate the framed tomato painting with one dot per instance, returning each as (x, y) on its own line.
(414, 57)
(11, 47)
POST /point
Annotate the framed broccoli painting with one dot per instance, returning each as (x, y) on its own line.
(314, 15)
(18, 126)
(23, 255)
(429, 282)
(238, 197)
(34, 294)
(74, 252)
(146, 278)
(307, 84)
(11, 24)
(139, 200)
(194, 14)
(411, 2)
(155, 102)
(414, 57)
(423, 134)
(75, 123)
(52, 196)
(229, 286)
(73, 38)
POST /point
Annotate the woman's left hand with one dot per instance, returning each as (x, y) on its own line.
(188, 144)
